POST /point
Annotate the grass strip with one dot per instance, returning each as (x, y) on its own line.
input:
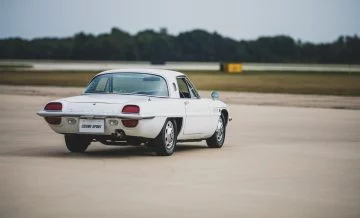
(294, 83)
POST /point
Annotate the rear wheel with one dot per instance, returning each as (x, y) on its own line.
(77, 143)
(218, 138)
(165, 142)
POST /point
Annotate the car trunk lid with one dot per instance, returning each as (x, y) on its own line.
(105, 104)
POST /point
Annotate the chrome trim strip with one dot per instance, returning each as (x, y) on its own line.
(92, 116)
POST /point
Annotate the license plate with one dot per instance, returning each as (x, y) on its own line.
(91, 126)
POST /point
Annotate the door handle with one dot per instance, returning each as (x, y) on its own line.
(186, 102)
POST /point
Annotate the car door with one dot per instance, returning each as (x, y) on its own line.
(197, 110)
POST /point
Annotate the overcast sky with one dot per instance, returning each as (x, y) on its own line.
(308, 20)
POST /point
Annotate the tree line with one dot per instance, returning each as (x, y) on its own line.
(195, 45)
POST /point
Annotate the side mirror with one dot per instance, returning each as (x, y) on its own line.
(215, 95)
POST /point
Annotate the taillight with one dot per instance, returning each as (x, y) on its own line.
(130, 123)
(131, 109)
(53, 106)
(53, 120)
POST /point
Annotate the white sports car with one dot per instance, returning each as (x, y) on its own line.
(152, 107)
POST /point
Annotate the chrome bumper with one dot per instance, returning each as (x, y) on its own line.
(43, 113)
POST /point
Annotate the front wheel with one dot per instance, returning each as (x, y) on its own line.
(77, 143)
(165, 142)
(218, 138)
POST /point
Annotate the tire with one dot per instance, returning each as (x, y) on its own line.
(218, 138)
(77, 143)
(165, 142)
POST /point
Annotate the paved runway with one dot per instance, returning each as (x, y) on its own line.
(276, 162)
(103, 65)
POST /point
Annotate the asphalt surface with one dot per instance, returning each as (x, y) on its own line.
(243, 98)
(276, 162)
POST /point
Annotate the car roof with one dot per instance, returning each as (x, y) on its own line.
(161, 72)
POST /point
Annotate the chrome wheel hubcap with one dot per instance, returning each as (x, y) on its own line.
(169, 135)
(220, 130)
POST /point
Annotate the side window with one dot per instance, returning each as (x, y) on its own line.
(193, 92)
(186, 89)
(183, 88)
(99, 84)
(103, 85)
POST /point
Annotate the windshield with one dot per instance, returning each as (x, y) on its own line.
(129, 84)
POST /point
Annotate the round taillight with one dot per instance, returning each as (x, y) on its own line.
(53, 120)
(131, 109)
(53, 106)
(130, 123)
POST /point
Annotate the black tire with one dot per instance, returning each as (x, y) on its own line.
(164, 144)
(218, 138)
(77, 143)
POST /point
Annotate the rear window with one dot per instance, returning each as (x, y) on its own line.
(129, 84)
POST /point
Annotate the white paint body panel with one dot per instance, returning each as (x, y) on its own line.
(199, 116)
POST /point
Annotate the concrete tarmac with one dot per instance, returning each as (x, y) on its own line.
(276, 162)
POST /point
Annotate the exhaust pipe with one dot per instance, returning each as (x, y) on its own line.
(119, 133)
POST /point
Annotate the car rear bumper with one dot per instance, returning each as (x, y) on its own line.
(147, 127)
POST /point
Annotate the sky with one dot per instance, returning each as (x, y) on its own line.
(306, 20)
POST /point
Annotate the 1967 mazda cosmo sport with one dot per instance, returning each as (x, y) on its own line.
(151, 107)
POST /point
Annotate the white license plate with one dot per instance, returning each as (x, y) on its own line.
(91, 126)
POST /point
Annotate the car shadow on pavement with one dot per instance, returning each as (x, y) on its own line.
(99, 152)
(138, 151)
